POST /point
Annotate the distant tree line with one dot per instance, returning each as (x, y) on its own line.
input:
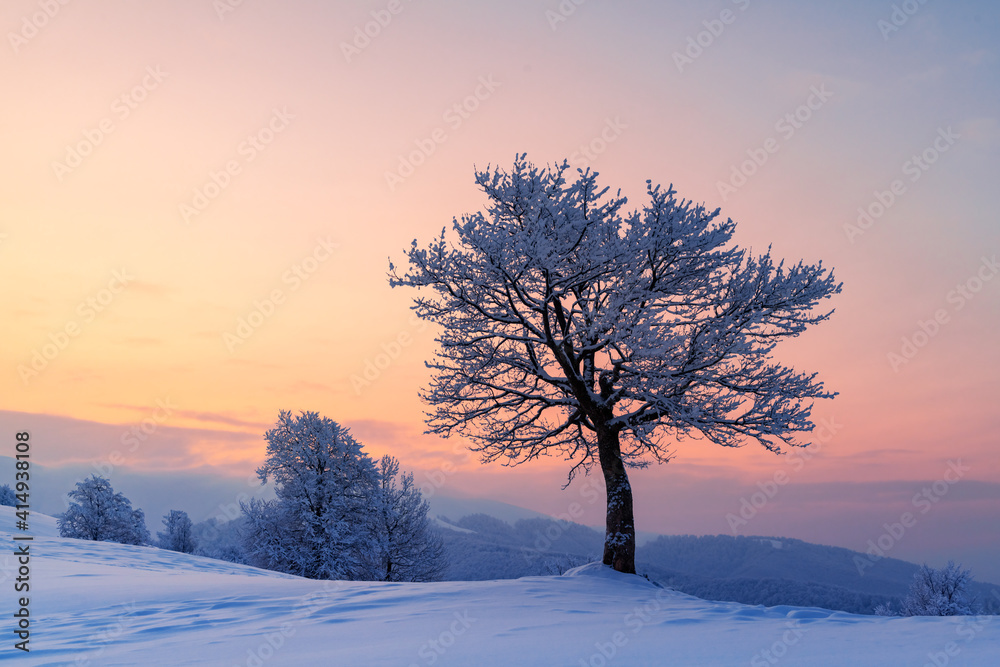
(338, 514)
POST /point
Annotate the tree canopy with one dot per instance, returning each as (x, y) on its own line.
(572, 326)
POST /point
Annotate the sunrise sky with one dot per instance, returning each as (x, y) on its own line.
(199, 200)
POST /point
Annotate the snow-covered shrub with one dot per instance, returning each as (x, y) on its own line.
(940, 593)
(884, 609)
(98, 513)
(7, 496)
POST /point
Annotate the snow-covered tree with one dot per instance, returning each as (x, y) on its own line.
(178, 534)
(324, 482)
(98, 513)
(940, 593)
(7, 496)
(571, 326)
(407, 548)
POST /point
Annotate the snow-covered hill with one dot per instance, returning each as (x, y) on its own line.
(109, 604)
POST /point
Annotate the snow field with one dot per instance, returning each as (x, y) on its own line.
(108, 604)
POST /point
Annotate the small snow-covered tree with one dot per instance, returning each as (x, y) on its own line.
(7, 496)
(406, 547)
(178, 536)
(98, 513)
(318, 525)
(573, 327)
(940, 593)
(884, 609)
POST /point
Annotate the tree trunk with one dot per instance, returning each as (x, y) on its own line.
(619, 539)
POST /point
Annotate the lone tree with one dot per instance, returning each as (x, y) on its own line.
(573, 327)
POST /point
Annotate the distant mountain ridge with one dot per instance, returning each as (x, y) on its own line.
(751, 570)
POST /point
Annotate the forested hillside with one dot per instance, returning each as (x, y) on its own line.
(751, 570)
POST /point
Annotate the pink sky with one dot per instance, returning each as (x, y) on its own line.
(170, 171)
